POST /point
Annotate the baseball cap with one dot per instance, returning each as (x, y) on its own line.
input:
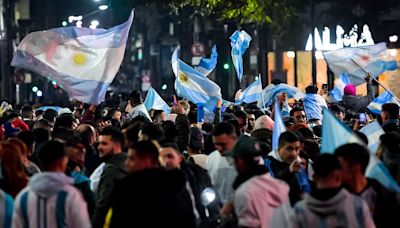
(245, 147)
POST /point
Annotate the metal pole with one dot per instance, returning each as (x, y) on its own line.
(376, 81)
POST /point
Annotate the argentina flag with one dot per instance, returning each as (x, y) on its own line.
(207, 65)
(192, 85)
(83, 61)
(240, 41)
(154, 101)
(252, 93)
(376, 105)
(375, 59)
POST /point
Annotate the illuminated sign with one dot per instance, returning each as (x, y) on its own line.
(342, 40)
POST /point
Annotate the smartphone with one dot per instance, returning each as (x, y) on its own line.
(363, 118)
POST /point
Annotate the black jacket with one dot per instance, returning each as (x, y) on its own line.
(281, 171)
(152, 198)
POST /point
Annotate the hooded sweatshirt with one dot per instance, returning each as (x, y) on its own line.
(50, 200)
(341, 210)
(256, 200)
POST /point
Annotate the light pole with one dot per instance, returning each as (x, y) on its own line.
(313, 59)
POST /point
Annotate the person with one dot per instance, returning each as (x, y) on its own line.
(28, 116)
(390, 117)
(339, 111)
(354, 103)
(89, 138)
(330, 205)
(75, 148)
(110, 146)
(135, 106)
(299, 115)
(50, 200)
(389, 153)
(197, 177)
(13, 173)
(6, 209)
(251, 122)
(257, 194)
(285, 164)
(241, 117)
(220, 167)
(150, 196)
(383, 204)
(313, 104)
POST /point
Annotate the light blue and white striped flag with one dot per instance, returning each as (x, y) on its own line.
(271, 91)
(154, 101)
(373, 131)
(192, 85)
(83, 61)
(376, 105)
(207, 65)
(252, 93)
(240, 41)
(335, 133)
(279, 126)
(375, 59)
(378, 171)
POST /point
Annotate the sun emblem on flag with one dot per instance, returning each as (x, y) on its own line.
(79, 59)
(183, 77)
(364, 58)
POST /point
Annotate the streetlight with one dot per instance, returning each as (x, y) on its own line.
(103, 7)
(94, 24)
(64, 23)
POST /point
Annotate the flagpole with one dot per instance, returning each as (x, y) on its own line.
(262, 92)
(390, 92)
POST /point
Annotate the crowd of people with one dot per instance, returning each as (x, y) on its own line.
(120, 165)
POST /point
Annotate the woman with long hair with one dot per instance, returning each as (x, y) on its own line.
(14, 177)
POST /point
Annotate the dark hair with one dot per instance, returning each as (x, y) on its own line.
(362, 136)
(311, 89)
(392, 109)
(132, 131)
(27, 137)
(325, 164)
(41, 135)
(169, 131)
(64, 120)
(12, 115)
(116, 135)
(61, 133)
(240, 114)
(207, 127)
(391, 141)
(192, 116)
(49, 153)
(42, 123)
(50, 115)
(152, 131)
(26, 111)
(337, 108)
(311, 147)
(295, 109)
(288, 137)
(224, 128)
(354, 154)
(170, 144)
(135, 96)
(146, 149)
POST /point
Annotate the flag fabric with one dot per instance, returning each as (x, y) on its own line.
(374, 59)
(82, 61)
(279, 126)
(376, 105)
(335, 133)
(336, 94)
(271, 91)
(240, 41)
(286, 109)
(154, 101)
(192, 85)
(378, 171)
(373, 131)
(207, 65)
(252, 93)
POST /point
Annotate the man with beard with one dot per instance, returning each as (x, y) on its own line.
(110, 146)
